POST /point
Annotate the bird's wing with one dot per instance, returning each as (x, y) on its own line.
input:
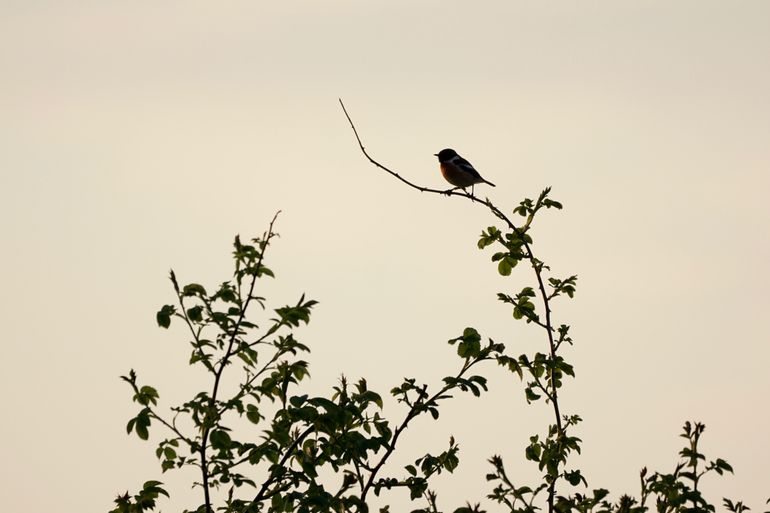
(465, 166)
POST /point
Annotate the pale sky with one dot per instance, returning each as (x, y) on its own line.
(140, 136)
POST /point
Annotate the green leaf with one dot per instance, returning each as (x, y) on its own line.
(298, 400)
(488, 237)
(142, 432)
(721, 466)
(195, 313)
(532, 452)
(527, 291)
(227, 293)
(574, 477)
(146, 395)
(471, 335)
(507, 263)
(470, 344)
(265, 271)
(193, 289)
(531, 395)
(164, 316)
(220, 439)
(252, 413)
(153, 488)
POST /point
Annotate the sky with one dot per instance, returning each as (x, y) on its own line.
(137, 137)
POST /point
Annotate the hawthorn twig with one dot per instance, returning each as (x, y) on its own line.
(536, 266)
(224, 361)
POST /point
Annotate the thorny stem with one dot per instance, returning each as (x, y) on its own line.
(245, 387)
(537, 266)
(414, 411)
(196, 333)
(289, 450)
(224, 361)
(173, 428)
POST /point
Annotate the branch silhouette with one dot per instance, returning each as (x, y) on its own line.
(345, 432)
(537, 266)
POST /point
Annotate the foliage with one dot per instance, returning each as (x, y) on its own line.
(329, 453)
(303, 438)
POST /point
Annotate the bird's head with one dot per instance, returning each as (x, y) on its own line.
(446, 155)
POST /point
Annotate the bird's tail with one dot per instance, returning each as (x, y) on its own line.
(488, 182)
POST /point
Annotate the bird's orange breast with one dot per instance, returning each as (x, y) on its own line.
(457, 176)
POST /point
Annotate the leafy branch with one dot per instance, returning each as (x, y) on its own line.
(329, 453)
(516, 246)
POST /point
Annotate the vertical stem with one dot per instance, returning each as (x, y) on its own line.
(218, 376)
(536, 265)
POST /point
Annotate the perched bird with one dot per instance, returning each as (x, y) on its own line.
(458, 171)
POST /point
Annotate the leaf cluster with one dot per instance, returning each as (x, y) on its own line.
(297, 443)
(303, 453)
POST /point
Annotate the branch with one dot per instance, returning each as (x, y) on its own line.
(245, 387)
(196, 333)
(263, 489)
(173, 428)
(363, 150)
(416, 409)
(536, 266)
(225, 360)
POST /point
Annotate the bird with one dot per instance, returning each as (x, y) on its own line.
(458, 171)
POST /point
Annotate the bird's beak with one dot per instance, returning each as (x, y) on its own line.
(435, 154)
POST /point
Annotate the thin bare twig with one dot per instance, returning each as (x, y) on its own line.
(537, 266)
